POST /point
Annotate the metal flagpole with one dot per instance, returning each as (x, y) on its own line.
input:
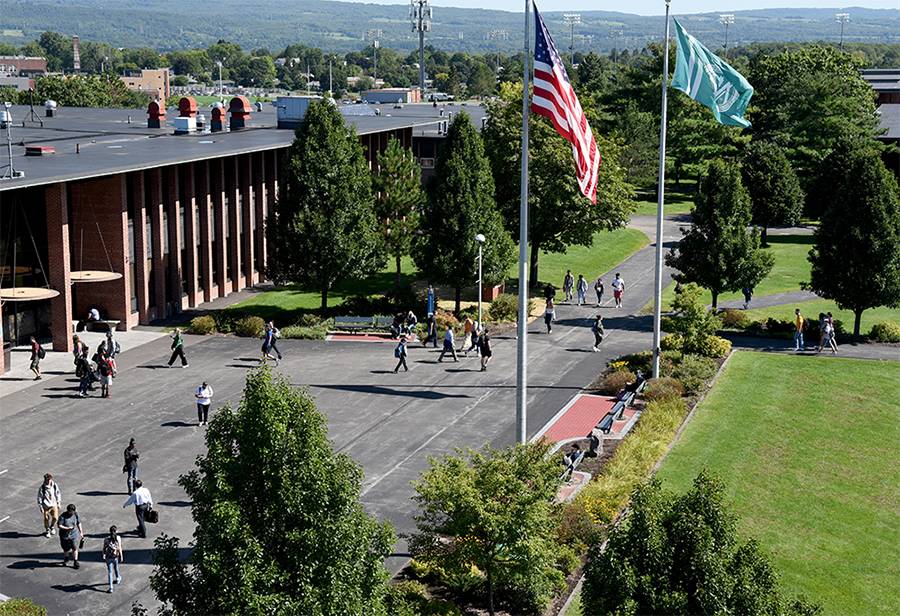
(522, 326)
(657, 295)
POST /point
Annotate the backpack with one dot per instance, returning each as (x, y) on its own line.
(41, 353)
(110, 548)
(398, 352)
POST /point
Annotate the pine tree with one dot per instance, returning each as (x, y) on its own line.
(775, 194)
(280, 528)
(398, 200)
(718, 252)
(461, 205)
(856, 256)
(323, 227)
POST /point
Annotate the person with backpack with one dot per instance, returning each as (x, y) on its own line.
(274, 335)
(449, 345)
(473, 344)
(598, 289)
(597, 328)
(484, 342)
(85, 373)
(400, 353)
(113, 348)
(832, 332)
(568, 283)
(143, 503)
(204, 396)
(431, 331)
(104, 367)
(581, 290)
(71, 535)
(178, 349)
(268, 341)
(112, 556)
(49, 500)
(37, 354)
(130, 467)
(549, 316)
(468, 326)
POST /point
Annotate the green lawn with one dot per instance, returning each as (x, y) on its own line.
(677, 200)
(807, 447)
(812, 308)
(206, 101)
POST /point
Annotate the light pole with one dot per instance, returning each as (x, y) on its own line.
(726, 20)
(615, 35)
(219, 64)
(501, 35)
(572, 19)
(842, 18)
(480, 239)
(420, 19)
(374, 35)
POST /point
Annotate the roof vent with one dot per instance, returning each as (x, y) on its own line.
(50, 108)
(239, 108)
(187, 107)
(39, 150)
(156, 114)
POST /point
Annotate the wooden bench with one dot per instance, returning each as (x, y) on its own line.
(111, 324)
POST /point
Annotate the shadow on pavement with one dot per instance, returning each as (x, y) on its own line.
(179, 503)
(389, 391)
(177, 424)
(102, 493)
(14, 534)
(80, 587)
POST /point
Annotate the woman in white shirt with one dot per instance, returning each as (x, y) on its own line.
(204, 396)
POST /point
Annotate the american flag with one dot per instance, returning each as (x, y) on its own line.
(555, 98)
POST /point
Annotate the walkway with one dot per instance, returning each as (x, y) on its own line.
(861, 350)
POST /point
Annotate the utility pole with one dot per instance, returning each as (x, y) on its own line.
(572, 19)
(330, 83)
(726, 20)
(420, 18)
(842, 18)
(498, 35)
(374, 35)
(615, 35)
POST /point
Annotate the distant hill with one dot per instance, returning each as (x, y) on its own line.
(341, 26)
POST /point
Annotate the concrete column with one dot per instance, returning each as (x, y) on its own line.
(100, 217)
(262, 196)
(58, 268)
(155, 204)
(232, 168)
(172, 201)
(141, 276)
(189, 267)
(217, 181)
(204, 204)
(248, 195)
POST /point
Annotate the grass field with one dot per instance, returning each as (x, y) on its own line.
(807, 447)
(610, 248)
(812, 308)
(677, 200)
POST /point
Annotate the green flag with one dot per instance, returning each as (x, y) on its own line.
(709, 80)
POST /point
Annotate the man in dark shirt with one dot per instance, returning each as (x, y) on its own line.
(70, 534)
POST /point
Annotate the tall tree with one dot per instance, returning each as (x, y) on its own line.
(775, 194)
(492, 509)
(682, 554)
(718, 251)
(559, 216)
(323, 227)
(856, 256)
(399, 199)
(279, 526)
(461, 205)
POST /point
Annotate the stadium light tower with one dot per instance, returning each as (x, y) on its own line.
(498, 35)
(374, 35)
(726, 20)
(615, 34)
(572, 20)
(842, 18)
(420, 19)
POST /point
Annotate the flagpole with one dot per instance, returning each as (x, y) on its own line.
(522, 325)
(657, 296)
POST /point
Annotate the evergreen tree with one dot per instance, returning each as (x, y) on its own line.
(323, 227)
(681, 554)
(461, 205)
(775, 194)
(559, 215)
(280, 528)
(718, 252)
(856, 256)
(399, 199)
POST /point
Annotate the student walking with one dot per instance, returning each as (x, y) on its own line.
(618, 286)
(799, 326)
(71, 535)
(832, 342)
(49, 500)
(468, 327)
(112, 556)
(85, 373)
(599, 332)
(267, 344)
(79, 348)
(275, 334)
(113, 348)
(748, 296)
(178, 349)
(487, 351)
(449, 346)
(568, 283)
(473, 345)
(204, 396)
(104, 367)
(143, 502)
(598, 289)
(549, 315)
(37, 354)
(131, 455)
(400, 353)
(431, 331)
(581, 290)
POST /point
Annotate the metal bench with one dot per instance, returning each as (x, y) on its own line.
(352, 323)
(571, 465)
(606, 423)
(382, 322)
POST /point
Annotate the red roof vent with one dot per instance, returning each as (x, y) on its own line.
(39, 150)
(239, 108)
(187, 107)
(156, 114)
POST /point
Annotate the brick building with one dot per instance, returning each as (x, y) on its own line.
(154, 82)
(179, 216)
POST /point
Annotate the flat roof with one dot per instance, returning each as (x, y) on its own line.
(113, 141)
(889, 118)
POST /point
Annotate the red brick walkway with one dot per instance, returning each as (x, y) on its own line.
(579, 417)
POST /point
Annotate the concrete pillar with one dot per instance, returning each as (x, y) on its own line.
(204, 205)
(58, 267)
(155, 205)
(248, 211)
(217, 181)
(172, 201)
(261, 203)
(189, 200)
(141, 275)
(232, 168)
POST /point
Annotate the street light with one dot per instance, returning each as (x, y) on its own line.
(219, 64)
(726, 20)
(842, 18)
(374, 35)
(480, 239)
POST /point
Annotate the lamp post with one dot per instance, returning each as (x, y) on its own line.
(219, 64)
(726, 20)
(842, 18)
(480, 239)
(374, 35)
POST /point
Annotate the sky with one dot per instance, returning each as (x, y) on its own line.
(651, 7)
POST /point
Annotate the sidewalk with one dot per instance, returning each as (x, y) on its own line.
(861, 350)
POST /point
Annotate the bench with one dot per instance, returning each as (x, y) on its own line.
(382, 322)
(111, 324)
(571, 463)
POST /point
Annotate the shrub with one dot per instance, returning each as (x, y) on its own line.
(663, 388)
(633, 362)
(505, 307)
(410, 598)
(249, 327)
(692, 319)
(574, 527)
(308, 319)
(672, 342)
(886, 331)
(225, 320)
(694, 372)
(446, 320)
(300, 332)
(203, 326)
(735, 319)
(713, 346)
(615, 381)
(21, 607)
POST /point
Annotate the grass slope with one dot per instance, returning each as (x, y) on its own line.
(808, 450)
